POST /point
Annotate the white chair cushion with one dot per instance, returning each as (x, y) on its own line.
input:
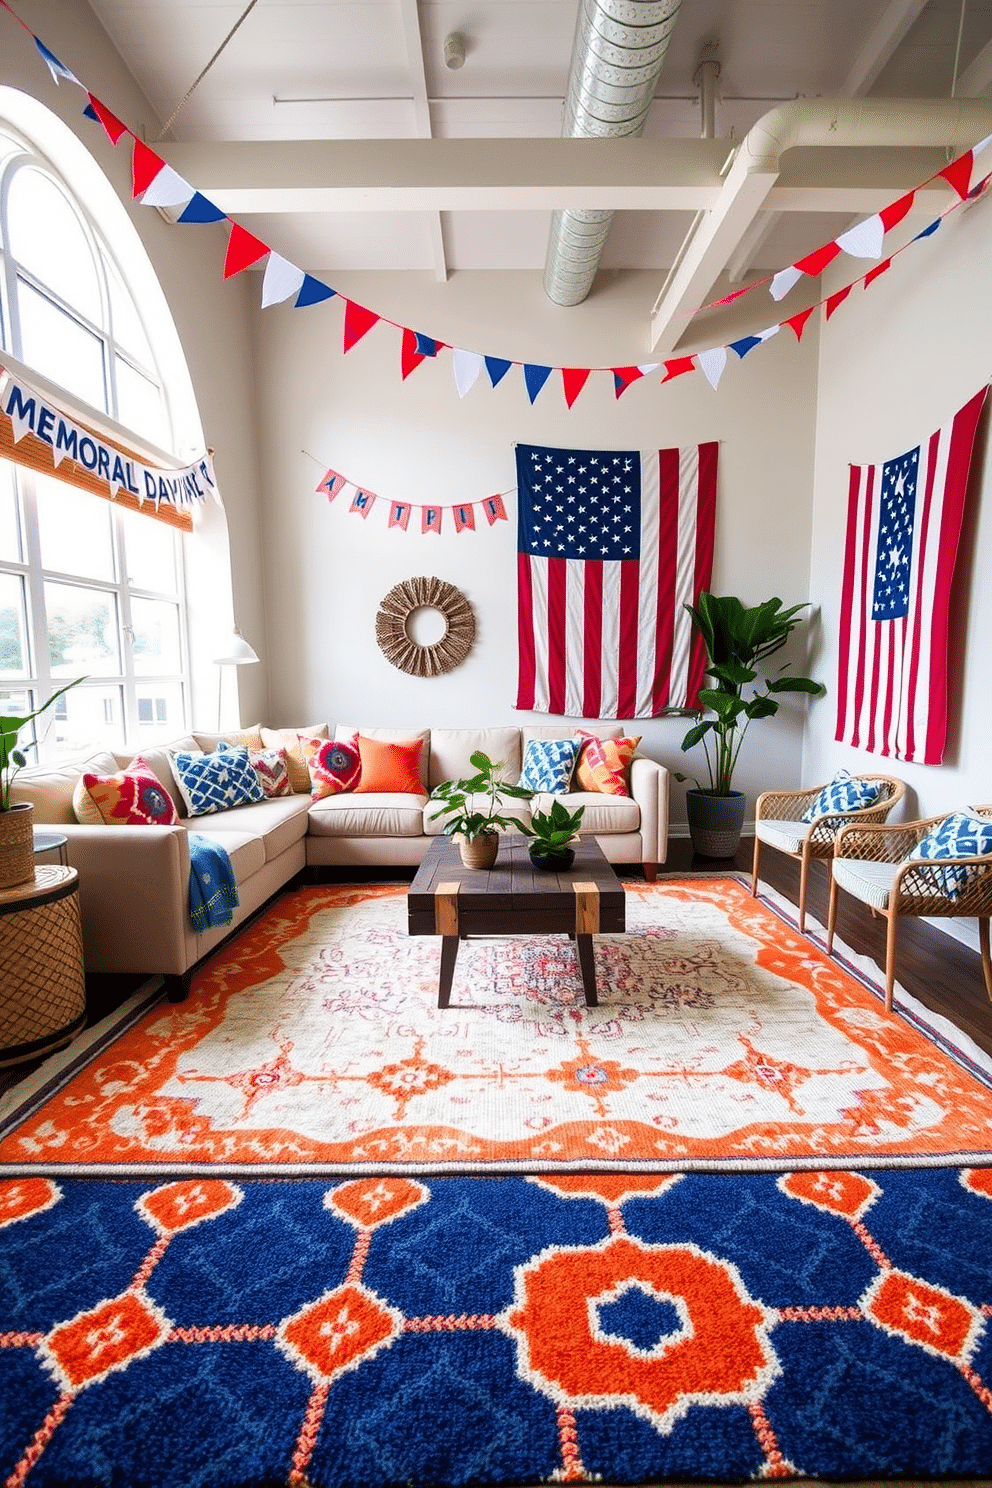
(786, 836)
(870, 882)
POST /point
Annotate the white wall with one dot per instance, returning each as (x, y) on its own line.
(326, 570)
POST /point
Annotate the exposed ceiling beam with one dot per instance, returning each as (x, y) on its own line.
(879, 45)
(410, 16)
(977, 76)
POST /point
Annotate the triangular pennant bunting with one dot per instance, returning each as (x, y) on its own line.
(358, 321)
(362, 502)
(958, 173)
(168, 190)
(466, 366)
(200, 208)
(426, 345)
(497, 367)
(677, 367)
(929, 231)
(713, 362)
(893, 214)
(534, 378)
(110, 122)
(56, 68)
(877, 271)
(835, 301)
(331, 484)
(399, 514)
(744, 345)
(864, 239)
(410, 356)
(282, 279)
(797, 323)
(783, 281)
(729, 299)
(494, 509)
(814, 263)
(464, 517)
(145, 166)
(312, 291)
(243, 250)
(623, 377)
(573, 380)
(430, 519)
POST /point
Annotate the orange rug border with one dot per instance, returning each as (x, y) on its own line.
(253, 956)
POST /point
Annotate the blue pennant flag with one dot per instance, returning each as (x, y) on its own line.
(928, 231)
(56, 68)
(497, 369)
(312, 291)
(89, 112)
(200, 208)
(535, 377)
(744, 345)
(426, 345)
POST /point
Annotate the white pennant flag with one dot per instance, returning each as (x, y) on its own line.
(783, 282)
(281, 280)
(713, 363)
(769, 332)
(646, 368)
(168, 190)
(864, 239)
(982, 145)
(467, 366)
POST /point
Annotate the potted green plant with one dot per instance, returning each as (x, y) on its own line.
(476, 824)
(16, 838)
(737, 639)
(551, 833)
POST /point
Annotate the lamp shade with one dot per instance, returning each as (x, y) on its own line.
(235, 651)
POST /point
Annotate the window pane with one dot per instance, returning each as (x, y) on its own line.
(156, 636)
(47, 237)
(60, 348)
(127, 328)
(13, 629)
(10, 532)
(82, 631)
(75, 531)
(140, 406)
(149, 553)
(92, 719)
(160, 711)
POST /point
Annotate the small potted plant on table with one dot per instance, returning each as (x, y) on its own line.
(476, 823)
(551, 833)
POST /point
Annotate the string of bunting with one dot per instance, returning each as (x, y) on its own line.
(400, 512)
(156, 184)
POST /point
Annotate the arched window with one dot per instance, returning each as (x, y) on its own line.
(87, 588)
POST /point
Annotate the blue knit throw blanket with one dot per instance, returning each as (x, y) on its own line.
(213, 891)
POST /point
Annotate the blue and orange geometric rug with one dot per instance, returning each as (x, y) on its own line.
(379, 1332)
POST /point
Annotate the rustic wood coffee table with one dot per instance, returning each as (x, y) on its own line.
(514, 898)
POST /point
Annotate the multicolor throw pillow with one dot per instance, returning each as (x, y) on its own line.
(390, 769)
(548, 764)
(133, 797)
(289, 739)
(215, 782)
(844, 793)
(272, 770)
(964, 834)
(334, 767)
(604, 764)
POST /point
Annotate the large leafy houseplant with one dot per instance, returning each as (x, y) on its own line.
(12, 756)
(471, 818)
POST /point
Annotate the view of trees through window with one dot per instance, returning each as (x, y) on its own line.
(86, 589)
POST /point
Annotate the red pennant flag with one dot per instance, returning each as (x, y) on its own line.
(729, 299)
(331, 484)
(410, 357)
(677, 367)
(894, 213)
(399, 514)
(836, 300)
(494, 509)
(464, 517)
(357, 321)
(362, 502)
(573, 380)
(145, 166)
(110, 121)
(797, 323)
(623, 377)
(814, 263)
(877, 271)
(242, 251)
(430, 519)
(958, 173)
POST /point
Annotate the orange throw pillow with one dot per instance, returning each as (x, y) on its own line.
(604, 764)
(390, 768)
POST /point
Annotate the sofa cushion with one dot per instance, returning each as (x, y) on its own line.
(389, 769)
(335, 766)
(247, 738)
(49, 788)
(387, 815)
(215, 782)
(349, 732)
(276, 823)
(131, 797)
(603, 814)
(548, 764)
(289, 739)
(245, 850)
(604, 764)
(452, 749)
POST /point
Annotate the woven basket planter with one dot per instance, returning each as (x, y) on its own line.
(481, 851)
(16, 846)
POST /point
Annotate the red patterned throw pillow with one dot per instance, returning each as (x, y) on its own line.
(334, 766)
(272, 770)
(135, 797)
(604, 764)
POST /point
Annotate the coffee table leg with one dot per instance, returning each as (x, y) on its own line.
(587, 965)
(446, 925)
(449, 951)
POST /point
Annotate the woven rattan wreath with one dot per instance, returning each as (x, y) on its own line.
(395, 641)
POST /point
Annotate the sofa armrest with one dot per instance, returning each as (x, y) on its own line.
(133, 896)
(649, 788)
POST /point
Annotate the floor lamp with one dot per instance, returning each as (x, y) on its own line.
(234, 652)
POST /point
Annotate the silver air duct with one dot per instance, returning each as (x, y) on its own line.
(617, 54)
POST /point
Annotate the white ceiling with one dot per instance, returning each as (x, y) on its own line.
(373, 70)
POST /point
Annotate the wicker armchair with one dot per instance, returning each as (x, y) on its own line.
(869, 863)
(778, 824)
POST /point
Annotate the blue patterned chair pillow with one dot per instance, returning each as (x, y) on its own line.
(964, 834)
(215, 782)
(844, 793)
(548, 764)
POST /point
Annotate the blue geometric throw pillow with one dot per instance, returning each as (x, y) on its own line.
(548, 764)
(964, 834)
(215, 782)
(844, 793)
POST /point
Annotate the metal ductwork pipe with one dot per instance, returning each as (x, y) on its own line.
(617, 54)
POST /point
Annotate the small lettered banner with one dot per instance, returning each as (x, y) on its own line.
(428, 518)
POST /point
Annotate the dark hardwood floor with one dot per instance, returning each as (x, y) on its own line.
(941, 972)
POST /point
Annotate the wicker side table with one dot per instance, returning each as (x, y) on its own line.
(42, 987)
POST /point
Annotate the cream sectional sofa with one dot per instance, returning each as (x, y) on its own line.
(134, 881)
